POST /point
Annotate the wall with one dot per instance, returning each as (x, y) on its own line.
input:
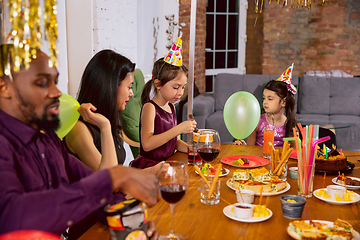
(200, 39)
(323, 38)
(255, 40)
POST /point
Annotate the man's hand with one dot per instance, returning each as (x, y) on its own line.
(151, 233)
(142, 185)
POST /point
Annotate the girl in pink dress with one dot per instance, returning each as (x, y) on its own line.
(279, 106)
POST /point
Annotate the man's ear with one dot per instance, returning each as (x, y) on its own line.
(5, 91)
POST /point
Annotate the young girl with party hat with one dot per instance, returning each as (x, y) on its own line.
(279, 106)
(159, 131)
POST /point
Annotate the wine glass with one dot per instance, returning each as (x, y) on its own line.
(173, 182)
(209, 145)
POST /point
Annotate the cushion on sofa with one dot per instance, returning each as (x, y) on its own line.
(252, 83)
(314, 94)
(345, 96)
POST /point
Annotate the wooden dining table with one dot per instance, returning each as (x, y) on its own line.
(196, 220)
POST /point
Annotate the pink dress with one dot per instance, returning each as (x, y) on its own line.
(280, 132)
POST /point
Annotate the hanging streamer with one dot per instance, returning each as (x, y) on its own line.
(26, 35)
(293, 3)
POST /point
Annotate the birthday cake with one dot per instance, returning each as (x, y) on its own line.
(334, 161)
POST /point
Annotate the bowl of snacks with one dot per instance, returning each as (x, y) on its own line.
(292, 205)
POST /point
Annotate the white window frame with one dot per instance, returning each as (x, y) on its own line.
(240, 69)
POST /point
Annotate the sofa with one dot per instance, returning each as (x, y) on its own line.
(330, 102)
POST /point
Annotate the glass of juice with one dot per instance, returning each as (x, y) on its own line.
(268, 137)
(193, 156)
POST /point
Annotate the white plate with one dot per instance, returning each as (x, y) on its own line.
(357, 198)
(330, 224)
(227, 211)
(224, 174)
(287, 188)
(347, 186)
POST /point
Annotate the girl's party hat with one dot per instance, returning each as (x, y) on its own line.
(286, 77)
(174, 57)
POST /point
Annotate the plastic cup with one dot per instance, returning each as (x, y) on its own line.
(306, 180)
(204, 191)
(268, 137)
(281, 173)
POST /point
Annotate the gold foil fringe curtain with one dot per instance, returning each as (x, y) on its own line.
(293, 3)
(25, 34)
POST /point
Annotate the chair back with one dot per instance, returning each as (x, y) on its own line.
(130, 116)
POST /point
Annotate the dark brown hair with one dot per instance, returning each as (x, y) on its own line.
(280, 88)
(163, 71)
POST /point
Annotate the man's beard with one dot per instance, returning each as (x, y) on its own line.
(46, 124)
(43, 122)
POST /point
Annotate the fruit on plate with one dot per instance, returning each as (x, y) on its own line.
(212, 169)
(261, 211)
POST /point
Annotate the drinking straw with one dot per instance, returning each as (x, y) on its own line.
(313, 146)
(301, 130)
(261, 190)
(299, 155)
(225, 201)
(240, 194)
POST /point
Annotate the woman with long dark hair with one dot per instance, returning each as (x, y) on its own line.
(104, 91)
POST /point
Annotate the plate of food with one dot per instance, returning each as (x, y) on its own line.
(278, 188)
(224, 171)
(351, 182)
(245, 161)
(350, 198)
(293, 154)
(318, 229)
(229, 212)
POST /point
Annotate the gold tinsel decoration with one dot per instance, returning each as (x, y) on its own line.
(25, 34)
(293, 3)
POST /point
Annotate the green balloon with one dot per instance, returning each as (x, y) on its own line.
(68, 114)
(241, 114)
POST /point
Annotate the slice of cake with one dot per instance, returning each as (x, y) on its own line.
(334, 161)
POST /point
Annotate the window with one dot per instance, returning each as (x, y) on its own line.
(225, 38)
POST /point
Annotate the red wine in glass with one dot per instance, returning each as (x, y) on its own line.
(208, 154)
(194, 158)
(172, 193)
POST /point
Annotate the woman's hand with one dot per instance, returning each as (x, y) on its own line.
(239, 142)
(86, 111)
